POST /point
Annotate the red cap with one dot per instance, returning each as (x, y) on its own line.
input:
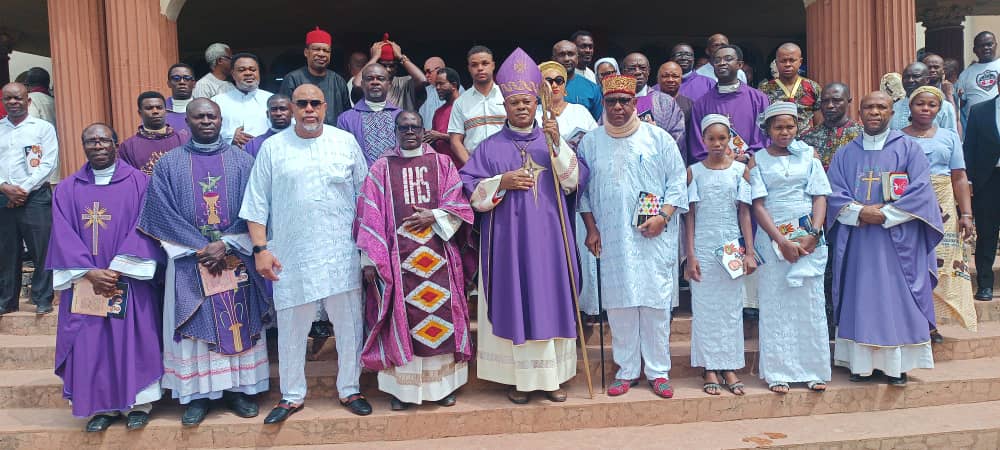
(318, 36)
(387, 53)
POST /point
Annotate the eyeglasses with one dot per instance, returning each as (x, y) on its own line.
(612, 101)
(408, 128)
(637, 68)
(176, 78)
(95, 142)
(557, 80)
(683, 55)
(313, 103)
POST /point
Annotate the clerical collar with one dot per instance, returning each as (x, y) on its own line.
(644, 92)
(728, 89)
(179, 106)
(876, 142)
(161, 131)
(206, 147)
(522, 130)
(103, 176)
(687, 75)
(375, 106)
(411, 153)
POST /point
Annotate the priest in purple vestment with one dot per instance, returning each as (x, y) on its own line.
(732, 98)
(279, 114)
(413, 222)
(527, 319)
(110, 363)
(883, 222)
(192, 208)
(693, 84)
(155, 136)
(372, 120)
(180, 79)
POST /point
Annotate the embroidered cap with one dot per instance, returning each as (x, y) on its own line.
(777, 109)
(618, 84)
(713, 119)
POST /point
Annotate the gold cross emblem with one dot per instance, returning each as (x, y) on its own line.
(94, 218)
(871, 179)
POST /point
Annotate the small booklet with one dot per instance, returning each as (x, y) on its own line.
(793, 230)
(575, 137)
(731, 256)
(894, 184)
(647, 207)
(737, 145)
(86, 302)
(228, 280)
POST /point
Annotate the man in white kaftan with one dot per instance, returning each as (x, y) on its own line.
(302, 193)
(629, 160)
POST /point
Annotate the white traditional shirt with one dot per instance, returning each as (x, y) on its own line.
(29, 152)
(477, 116)
(638, 271)
(208, 86)
(247, 110)
(305, 191)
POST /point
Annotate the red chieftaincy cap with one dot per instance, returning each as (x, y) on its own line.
(318, 36)
(387, 53)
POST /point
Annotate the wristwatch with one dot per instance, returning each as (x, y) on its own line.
(259, 248)
(816, 233)
(664, 215)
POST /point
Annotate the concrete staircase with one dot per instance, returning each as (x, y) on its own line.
(955, 405)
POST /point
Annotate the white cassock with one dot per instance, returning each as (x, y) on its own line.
(305, 190)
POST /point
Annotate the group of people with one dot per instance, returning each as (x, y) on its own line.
(546, 189)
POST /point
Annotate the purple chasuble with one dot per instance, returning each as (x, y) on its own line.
(105, 362)
(883, 278)
(523, 261)
(374, 130)
(194, 199)
(423, 311)
(667, 114)
(253, 147)
(695, 85)
(742, 107)
(143, 150)
(176, 120)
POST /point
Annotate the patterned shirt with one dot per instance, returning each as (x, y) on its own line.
(806, 97)
(828, 140)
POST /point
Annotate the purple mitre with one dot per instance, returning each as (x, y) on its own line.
(519, 74)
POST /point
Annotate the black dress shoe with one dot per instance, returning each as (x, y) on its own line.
(858, 378)
(450, 400)
(751, 314)
(396, 404)
(281, 412)
(43, 309)
(195, 412)
(7, 311)
(137, 420)
(984, 293)
(241, 404)
(899, 381)
(936, 337)
(321, 329)
(357, 404)
(100, 423)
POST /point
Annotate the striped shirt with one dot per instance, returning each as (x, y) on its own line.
(477, 116)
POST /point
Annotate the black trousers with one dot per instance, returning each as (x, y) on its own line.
(32, 225)
(986, 209)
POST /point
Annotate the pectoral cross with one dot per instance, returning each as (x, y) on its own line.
(94, 218)
(529, 165)
(871, 179)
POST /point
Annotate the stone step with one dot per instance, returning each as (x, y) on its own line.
(25, 322)
(26, 364)
(323, 421)
(955, 426)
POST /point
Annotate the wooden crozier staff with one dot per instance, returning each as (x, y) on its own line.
(547, 114)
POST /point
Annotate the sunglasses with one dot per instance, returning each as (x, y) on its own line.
(612, 101)
(408, 128)
(559, 81)
(313, 103)
(181, 77)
